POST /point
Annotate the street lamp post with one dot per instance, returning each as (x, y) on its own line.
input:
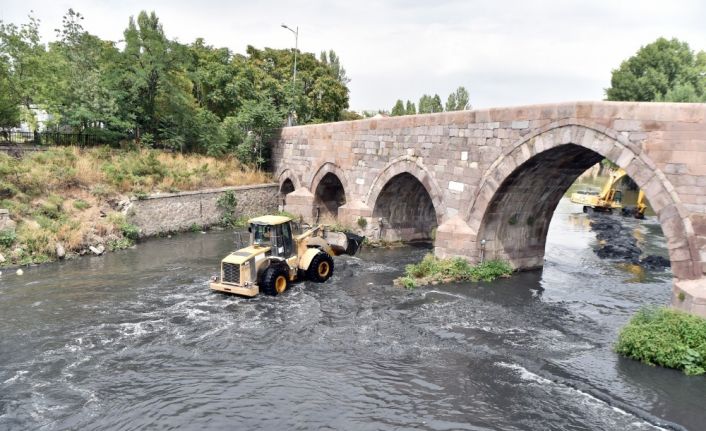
(290, 120)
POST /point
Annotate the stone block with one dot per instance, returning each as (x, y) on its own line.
(6, 223)
(690, 296)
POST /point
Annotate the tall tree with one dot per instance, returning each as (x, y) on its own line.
(9, 108)
(410, 109)
(159, 93)
(24, 64)
(451, 102)
(334, 62)
(213, 75)
(436, 105)
(425, 104)
(82, 95)
(458, 100)
(662, 70)
(398, 109)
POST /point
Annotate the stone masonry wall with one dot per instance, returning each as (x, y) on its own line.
(169, 212)
(464, 158)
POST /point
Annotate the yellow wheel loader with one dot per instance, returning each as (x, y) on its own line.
(276, 257)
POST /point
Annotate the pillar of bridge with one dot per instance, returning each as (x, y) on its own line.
(454, 238)
(351, 212)
(690, 296)
(300, 202)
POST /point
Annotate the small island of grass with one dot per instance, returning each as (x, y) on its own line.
(432, 270)
(665, 337)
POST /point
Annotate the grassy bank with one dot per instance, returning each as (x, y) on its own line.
(432, 270)
(665, 337)
(67, 199)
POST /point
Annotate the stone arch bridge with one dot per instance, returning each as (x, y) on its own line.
(498, 174)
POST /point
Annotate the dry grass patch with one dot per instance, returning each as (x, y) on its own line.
(68, 195)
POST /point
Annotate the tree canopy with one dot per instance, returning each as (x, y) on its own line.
(192, 97)
(398, 109)
(457, 101)
(664, 70)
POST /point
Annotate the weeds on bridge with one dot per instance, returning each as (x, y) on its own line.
(666, 337)
(432, 270)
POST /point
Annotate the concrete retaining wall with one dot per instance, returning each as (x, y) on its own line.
(169, 212)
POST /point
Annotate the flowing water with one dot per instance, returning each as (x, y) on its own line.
(135, 340)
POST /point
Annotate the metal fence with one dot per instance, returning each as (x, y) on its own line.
(52, 138)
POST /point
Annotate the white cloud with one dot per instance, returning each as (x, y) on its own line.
(505, 52)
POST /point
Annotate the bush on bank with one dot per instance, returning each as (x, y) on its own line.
(433, 270)
(666, 337)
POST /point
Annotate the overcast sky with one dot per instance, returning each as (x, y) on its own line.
(505, 52)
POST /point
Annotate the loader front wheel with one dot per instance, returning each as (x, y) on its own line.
(321, 267)
(274, 281)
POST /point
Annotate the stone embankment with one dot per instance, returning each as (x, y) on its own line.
(172, 212)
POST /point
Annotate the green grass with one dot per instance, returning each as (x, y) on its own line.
(665, 337)
(434, 270)
(81, 205)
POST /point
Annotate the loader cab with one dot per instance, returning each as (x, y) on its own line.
(274, 232)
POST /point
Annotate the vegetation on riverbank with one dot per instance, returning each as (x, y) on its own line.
(67, 200)
(665, 337)
(432, 270)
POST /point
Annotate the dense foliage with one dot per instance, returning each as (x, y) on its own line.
(666, 337)
(191, 97)
(664, 70)
(434, 270)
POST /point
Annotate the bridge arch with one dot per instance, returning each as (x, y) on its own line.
(330, 187)
(287, 175)
(520, 190)
(408, 200)
(288, 182)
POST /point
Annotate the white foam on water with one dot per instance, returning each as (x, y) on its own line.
(525, 374)
(440, 292)
(19, 374)
(587, 399)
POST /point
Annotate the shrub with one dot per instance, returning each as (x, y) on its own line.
(433, 269)
(130, 231)
(228, 202)
(52, 207)
(81, 205)
(119, 244)
(666, 337)
(408, 282)
(362, 222)
(7, 238)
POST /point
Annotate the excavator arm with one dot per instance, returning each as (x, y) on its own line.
(608, 189)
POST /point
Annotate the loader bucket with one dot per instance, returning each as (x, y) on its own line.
(344, 242)
(354, 243)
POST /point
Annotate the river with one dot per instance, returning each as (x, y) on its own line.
(135, 340)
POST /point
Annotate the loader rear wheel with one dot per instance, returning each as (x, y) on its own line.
(321, 267)
(274, 281)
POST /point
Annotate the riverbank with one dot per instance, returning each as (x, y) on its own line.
(66, 202)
